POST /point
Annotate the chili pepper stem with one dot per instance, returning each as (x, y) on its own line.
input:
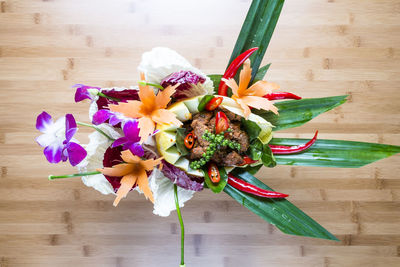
(52, 177)
(96, 128)
(178, 211)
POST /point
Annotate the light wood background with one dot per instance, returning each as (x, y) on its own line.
(320, 48)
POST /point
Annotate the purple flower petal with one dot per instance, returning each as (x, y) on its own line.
(43, 121)
(70, 127)
(120, 141)
(114, 120)
(53, 152)
(136, 149)
(101, 116)
(82, 92)
(64, 154)
(131, 131)
(76, 153)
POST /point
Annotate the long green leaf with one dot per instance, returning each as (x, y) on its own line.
(257, 30)
(261, 73)
(294, 113)
(279, 212)
(216, 79)
(334, 153)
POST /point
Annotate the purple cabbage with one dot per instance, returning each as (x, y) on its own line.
(181, 178)
(187, 79)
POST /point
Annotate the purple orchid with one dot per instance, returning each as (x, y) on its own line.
(102, 115)
(85, 92)
(131, 139)
(57, 139)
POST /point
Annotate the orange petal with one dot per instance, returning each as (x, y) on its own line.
(245, 77)
(127, 182)
(232, 84)
(130, 109)
(151, 163)
(146, 95)
(245, 108)
(163, 97)
(143, 184)
(259, 103)
(146, 126)
(164, 116)
(261, 88)
(117, 170)
(127, 156)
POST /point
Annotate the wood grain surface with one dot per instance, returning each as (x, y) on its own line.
(320, 48)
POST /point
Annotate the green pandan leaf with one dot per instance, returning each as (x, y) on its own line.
(279, 212)
(257, 30)
(334, 153)
(294, 113)
(216, 79)
(261, 73)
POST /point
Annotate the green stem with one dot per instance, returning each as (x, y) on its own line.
(96, 128)
(178, 211)
(151, 84)
(52, 177)
(109, 97)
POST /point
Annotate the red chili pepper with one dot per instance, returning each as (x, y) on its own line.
(282, 150)
(281, 95)
(221, 122)
(214, 103)
(233, 68)
(189, 140)
(248, 160)
(213, 173)
(241, 185)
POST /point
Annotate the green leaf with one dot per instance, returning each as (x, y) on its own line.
(204, 101)
(252, 129)
(279, 212)
(261, 73)
(334, 153)
(216, 188)
(256, 149)
(267, 158)
(180, 144)
(257, 30)
(250, 169)
(294, 113)
(216, 79)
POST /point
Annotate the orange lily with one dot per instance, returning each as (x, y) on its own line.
(150, 109)
(252, 96)
(133, 171)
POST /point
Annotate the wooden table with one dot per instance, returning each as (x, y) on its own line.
(320, 48)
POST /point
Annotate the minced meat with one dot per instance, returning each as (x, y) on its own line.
(224, 156)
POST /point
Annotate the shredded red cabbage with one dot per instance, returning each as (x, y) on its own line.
(186, 79)
(181, 178)
(112, 157)
(123, 96)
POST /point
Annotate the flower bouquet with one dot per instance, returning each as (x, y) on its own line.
(181, 131)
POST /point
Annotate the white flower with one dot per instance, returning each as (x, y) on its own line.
(163, 193)
(96, 148)
(162, 61)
